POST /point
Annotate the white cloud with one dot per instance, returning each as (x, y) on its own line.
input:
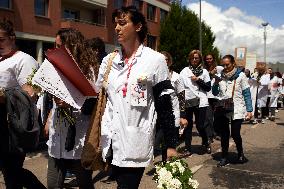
(235, 28)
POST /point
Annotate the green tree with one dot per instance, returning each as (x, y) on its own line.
(179, 35)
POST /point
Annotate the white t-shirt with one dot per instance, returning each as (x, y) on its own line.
(15, 70)
(192, 90)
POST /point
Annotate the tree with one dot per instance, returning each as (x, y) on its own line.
(179, 34)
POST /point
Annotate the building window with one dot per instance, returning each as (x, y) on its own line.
(5, 4)
(41, 7)
(163, 14)
(137, 4)
(151, 12)
(71, 14)
(118, 4)
(151, 41)
(99, 16)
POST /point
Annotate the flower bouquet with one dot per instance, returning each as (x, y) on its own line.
(174, 174)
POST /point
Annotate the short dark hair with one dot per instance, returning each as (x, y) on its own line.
(135, 16)
(230, 57)
(7, 26)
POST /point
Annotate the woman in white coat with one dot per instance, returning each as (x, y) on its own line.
(139, 91)
(235, 88)
(274, 87)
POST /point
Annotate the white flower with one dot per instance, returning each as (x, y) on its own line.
(193, 183)
(175, 183)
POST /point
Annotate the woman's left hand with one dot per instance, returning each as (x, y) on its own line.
(171, 152)
(194, 78)
(248, 116)
(183, 122)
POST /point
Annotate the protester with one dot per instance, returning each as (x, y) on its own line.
(178, 104)
(197, 83)
(210, 66)
(274, 87)
(236, 106)
(15, 68)
(62, 158)
(138, 87)
(263, 80)
(98, 46)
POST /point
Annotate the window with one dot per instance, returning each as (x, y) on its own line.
(151, 12)
(71, 14)
(118, 4)
(137, 4)
(5, 4)
(99, 16)
(163, 14)
(151, 41)
(41, 7)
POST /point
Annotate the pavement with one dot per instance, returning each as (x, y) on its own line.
(263, 146)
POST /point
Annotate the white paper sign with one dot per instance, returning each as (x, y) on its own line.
(54, 82)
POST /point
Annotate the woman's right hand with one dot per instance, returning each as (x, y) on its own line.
(61, 103)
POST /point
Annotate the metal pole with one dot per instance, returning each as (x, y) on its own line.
(264, 36)
(200, 28)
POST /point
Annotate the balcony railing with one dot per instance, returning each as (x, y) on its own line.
(83, 21)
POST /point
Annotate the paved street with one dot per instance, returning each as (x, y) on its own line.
(263, 145)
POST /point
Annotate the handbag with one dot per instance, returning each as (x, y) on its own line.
(228, 104)
(91, 157)
(194, 102)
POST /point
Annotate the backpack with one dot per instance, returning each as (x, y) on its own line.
(22, 119)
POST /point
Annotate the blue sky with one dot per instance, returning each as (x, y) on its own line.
(237, 23)
(271, 11)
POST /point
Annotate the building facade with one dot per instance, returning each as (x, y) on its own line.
(37, 21)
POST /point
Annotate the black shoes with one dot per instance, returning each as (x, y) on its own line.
(242, 159)
(223, 162)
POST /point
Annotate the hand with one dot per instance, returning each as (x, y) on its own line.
(183, 122)
(248, 116)
(60, 103)
(194, 78)
(171, 152)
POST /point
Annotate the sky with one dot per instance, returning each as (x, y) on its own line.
(237, 23)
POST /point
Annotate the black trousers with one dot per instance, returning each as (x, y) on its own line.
(128, 177)
(200, 116)
(209, 120)
(57, 169)
(15, 176)
(235, 133)
(11, 163)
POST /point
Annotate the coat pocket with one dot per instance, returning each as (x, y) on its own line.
(138, 144)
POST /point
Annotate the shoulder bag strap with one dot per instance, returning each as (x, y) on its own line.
(234, 86)
(109, 64)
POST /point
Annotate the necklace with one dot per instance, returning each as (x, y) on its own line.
(129, 63)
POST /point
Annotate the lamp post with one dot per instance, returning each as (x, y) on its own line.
(200, 28)
(264, 37)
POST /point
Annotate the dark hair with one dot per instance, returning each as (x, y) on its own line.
(230, 57)
(191, 56)
(75, 42)
(169, 57)
(206, 65)
(135, 16)
(98, 46)
(278, 74)
(7, 26)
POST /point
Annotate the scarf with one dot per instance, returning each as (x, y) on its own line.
(197, 71)
(230, 75)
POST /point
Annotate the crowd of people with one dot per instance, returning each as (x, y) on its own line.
(149, 106)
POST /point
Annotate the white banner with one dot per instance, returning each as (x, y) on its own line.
(54, 82)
